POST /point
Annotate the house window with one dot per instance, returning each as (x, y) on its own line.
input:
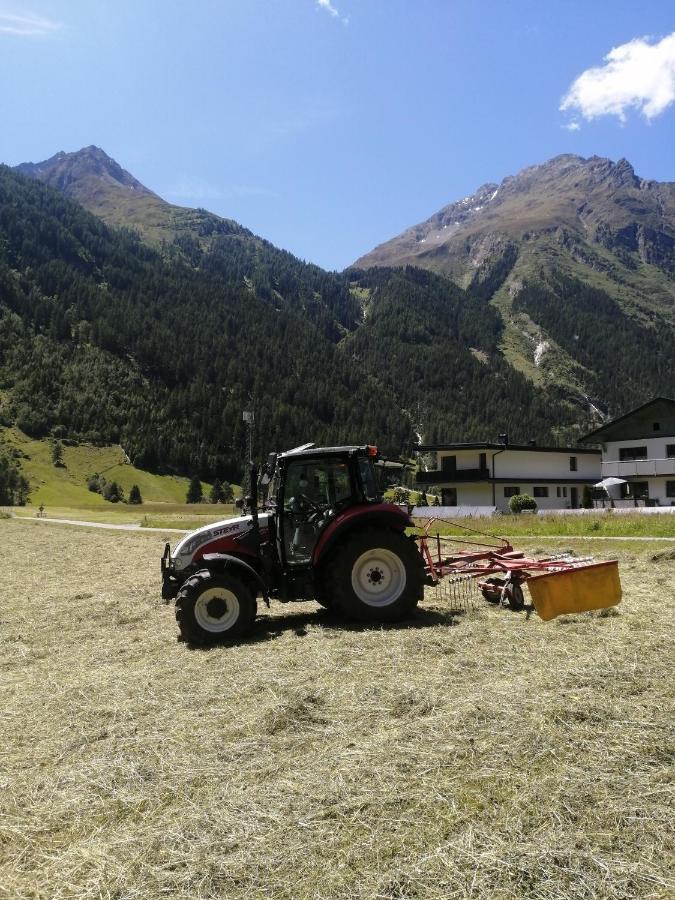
(635, 490)
(657, 426)
(511, 491)
(573, 463)
(670, 488)
(540, 490)
(449, 497)
(670, 451)
(628, 454)
(449, 464)
(482, 460)
(561, 491)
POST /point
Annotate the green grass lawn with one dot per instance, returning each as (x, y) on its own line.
(600, 524)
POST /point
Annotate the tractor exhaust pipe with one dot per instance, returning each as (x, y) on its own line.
(252, 502)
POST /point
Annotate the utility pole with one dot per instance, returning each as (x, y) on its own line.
(249, 420)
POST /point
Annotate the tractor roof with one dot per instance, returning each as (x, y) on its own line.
(311, 450)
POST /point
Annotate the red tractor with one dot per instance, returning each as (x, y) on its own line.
(323, 533)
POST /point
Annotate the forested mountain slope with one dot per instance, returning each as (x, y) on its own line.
(116, 335)
(104, 338)
(578, 257)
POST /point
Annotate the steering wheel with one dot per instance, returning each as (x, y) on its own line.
(312, 504)
(300, 503)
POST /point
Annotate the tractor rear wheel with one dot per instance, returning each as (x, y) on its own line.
(214, 606)
(376, 576)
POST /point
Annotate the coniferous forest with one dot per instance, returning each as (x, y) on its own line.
(106, 339)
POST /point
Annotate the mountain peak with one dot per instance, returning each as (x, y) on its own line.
(84, 170)
(594, 199)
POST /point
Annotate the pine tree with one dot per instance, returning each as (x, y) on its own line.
(216, 495)
(57, 454)
(227, 492)
(194, 492)
(135, 495)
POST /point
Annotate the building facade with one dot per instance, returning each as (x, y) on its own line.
(489, 474)
(639, 448)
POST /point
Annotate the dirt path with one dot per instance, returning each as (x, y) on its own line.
(127, 526)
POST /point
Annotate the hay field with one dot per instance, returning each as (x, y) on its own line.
(475, 755)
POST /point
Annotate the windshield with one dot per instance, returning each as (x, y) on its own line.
(323, 483)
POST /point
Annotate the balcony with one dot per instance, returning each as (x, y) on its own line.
(635, 467)
(454, 476)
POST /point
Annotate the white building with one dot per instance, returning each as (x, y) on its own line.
(488, 475)
(639, 447)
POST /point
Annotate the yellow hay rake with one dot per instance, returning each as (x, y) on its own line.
(557, 584)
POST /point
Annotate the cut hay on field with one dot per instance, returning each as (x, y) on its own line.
(472, 754)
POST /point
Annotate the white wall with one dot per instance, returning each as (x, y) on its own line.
(656, 470)
(550, 502)
(656, 447)
(527, 463)
(474, 494)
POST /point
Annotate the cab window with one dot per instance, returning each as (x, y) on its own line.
(368, 481)
(313, 493)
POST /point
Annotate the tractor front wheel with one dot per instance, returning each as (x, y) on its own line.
(214, 606)
(376, 576)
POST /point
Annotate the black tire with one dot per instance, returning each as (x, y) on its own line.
(225, 613)
(514, 596)
(376, 575)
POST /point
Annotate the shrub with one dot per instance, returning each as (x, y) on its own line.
(113, 492)
(522, 502)
(96, 484)
(135, 495)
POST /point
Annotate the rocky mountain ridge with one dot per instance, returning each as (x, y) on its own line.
(590, 220)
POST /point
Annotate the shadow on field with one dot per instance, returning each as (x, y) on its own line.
(268, 627)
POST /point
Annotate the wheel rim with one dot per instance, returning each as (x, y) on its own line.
(378, 577)
(217, 609)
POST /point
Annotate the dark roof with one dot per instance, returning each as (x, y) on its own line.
(496, 446)
(600, 434)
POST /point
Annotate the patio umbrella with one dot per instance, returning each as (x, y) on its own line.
(609, 482)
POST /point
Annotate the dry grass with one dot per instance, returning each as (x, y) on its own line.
(476, 755)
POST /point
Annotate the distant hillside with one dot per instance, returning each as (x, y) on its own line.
(66, 485)
(593, 243)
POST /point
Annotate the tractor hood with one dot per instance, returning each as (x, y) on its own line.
(219, 534)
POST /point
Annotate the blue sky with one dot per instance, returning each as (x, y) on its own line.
(328, 126)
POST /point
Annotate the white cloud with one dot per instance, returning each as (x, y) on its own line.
(572, 126)
(197, 189)
(638, 75)
(27, 24)
(331, 10)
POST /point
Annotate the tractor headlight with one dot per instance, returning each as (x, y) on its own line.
(191, 543)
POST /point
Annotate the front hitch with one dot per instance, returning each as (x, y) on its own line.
(170, 585)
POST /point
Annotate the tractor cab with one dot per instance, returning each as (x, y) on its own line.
(308, 490)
